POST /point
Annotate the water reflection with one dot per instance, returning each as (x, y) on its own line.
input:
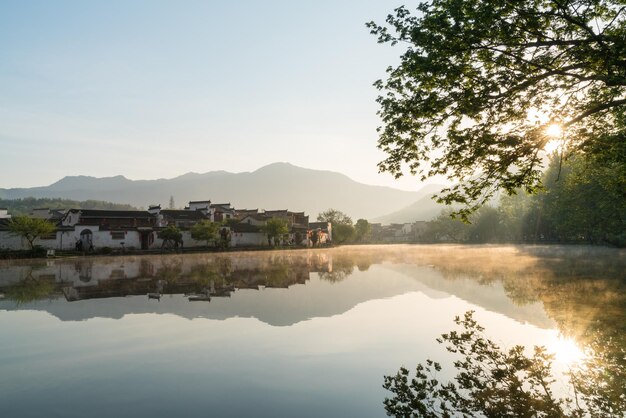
(578, 291)
(580, 288)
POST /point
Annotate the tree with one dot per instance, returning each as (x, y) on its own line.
(30, 228)
(275, 228)
(362, 230)
(171, 236)
(494, 382)
(481, 81)
(205, 230)
(335, 217)
(341, 223)
(225, 237)
(315, 237)
(342, 233)
(172, 205)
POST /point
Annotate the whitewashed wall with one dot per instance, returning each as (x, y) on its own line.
(12, 242)
(243, 239)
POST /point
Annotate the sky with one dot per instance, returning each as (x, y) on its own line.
(156, 89)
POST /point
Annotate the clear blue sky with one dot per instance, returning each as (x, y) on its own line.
(152, 89)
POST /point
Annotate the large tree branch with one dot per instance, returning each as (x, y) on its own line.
(594, 110)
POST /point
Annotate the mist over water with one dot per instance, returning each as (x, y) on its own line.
(282, 333)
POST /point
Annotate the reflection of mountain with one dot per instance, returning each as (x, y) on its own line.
(489, 296)
(278, 287)
(274, 306)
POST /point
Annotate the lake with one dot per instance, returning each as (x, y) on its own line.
(283, 333)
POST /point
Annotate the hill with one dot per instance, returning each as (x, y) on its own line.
(275, 186)
(423, 209)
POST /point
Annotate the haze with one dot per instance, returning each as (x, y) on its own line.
(157, 89)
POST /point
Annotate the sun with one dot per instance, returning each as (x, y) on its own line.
(554, 130)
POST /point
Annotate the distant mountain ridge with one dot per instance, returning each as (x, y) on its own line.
(275, 186)
(423, 209)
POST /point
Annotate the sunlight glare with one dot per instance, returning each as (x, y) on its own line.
(566, 350)
(554, 130)
(552, 146)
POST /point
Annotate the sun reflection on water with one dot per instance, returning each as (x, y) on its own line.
(566, 350)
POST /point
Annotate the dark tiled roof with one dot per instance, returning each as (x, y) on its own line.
(272, 212)
(243, 227)
(97, 213)
(183, 214)
(199, 201)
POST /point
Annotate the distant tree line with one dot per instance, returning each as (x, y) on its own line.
(24, 206)
(583, 200)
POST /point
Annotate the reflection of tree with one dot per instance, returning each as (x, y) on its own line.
(342, 267)
(343, 264)
(602, 381)
(171, 269)
(217, 270)
(30, 289)
(494, 382)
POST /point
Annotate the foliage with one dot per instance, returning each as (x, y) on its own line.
(26, 205)
(230, 222)
(30, 228)
(29, 290)
(479, 81)
(342, 233)
(342, 229)
(335, 217)
(276, 229)
(362, 230)
(171, 236)
(205, 230)
(315, 237)
(583, 200)
(492, 382)
(225, 237)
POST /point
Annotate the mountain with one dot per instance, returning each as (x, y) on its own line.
(423, 209)
(275, 186)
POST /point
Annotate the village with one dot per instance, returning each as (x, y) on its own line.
(90, 230)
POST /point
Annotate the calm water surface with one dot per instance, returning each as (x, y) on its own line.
(282, 333)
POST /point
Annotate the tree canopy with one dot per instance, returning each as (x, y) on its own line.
(362, 230)
(275, 228)
(30, 228)
(343, 230)
(171, 236)
(481, 81)
(205, 231)
(335, 217)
